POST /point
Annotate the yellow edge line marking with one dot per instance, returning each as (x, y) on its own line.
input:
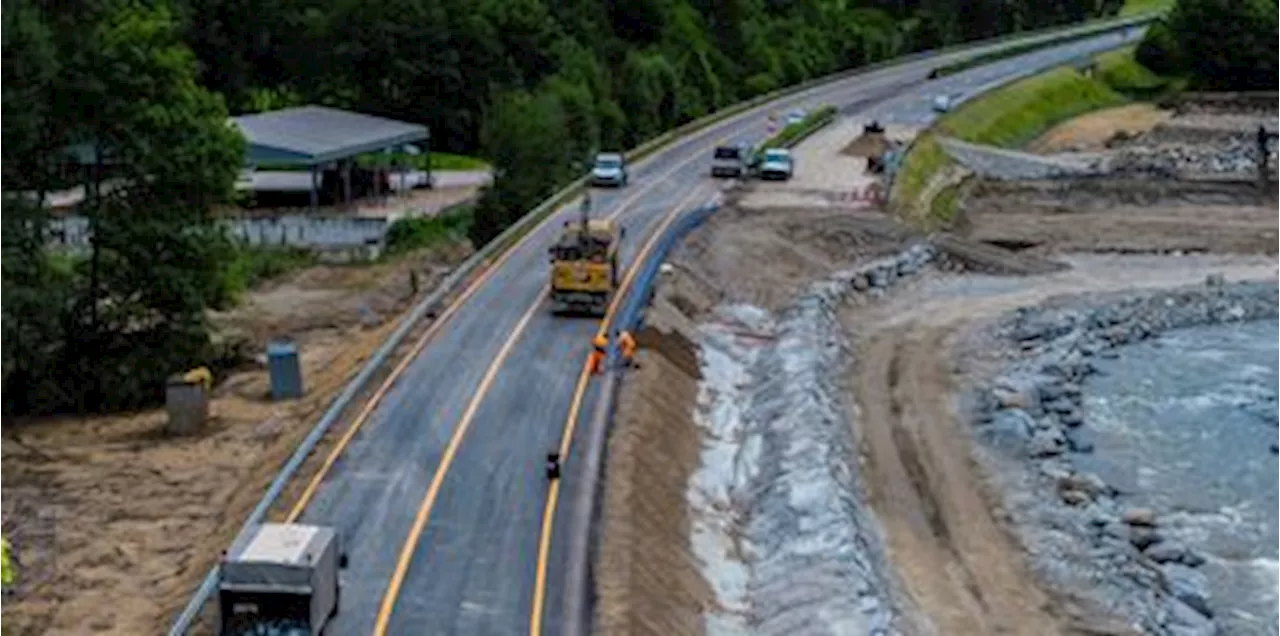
(313, 486)
(566, 439)
(424, 511)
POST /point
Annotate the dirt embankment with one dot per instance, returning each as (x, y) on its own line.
(648, 579)
(946, 527)
(1176, 182)
(766, 255)
(115, 522)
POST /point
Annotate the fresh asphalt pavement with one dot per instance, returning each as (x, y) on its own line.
(473, 566)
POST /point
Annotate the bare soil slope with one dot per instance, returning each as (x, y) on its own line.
(764, 256)
(115, 523)
(648, 580)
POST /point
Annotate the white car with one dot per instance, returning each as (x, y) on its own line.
(610, 169)
(776, 164)
(942, 103)
(794, 117)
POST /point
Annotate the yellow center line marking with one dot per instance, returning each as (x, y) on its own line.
(428, 502)
(566, 439)
(424, 511)
(313, 486)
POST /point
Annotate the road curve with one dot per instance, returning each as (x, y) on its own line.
(440, 494)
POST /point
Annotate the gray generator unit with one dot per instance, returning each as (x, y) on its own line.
(284, 582)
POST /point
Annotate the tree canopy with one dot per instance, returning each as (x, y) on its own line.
(143, 89)
(1218, 44)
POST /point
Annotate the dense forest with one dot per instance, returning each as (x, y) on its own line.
(141, 89)
(1217, 44)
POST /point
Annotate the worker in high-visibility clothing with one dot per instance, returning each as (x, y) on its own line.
(8, 573)
(599, 345)
(628, 346)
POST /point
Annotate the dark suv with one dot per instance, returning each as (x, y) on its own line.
(732, 161)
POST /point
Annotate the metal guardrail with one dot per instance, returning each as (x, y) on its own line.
(585, 535)
(578, 615)
(902, 155)
(529, 222)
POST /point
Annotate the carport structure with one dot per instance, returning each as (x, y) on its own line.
(315, 136)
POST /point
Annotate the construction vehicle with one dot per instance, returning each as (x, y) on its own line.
(584, 265)
(285, 581)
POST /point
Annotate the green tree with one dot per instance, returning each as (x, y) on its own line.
(1226, 44)
(526, 136)
(34, 292)
(156, 255)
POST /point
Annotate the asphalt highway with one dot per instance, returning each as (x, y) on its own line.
(440, 493)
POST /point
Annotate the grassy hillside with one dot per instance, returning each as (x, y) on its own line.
(1010, 117)
(1139, 7)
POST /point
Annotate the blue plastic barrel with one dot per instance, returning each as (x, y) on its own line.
(285, 369)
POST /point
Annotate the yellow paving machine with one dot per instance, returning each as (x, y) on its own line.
(584, 265)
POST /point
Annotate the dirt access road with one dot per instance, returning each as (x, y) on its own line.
(955, 560)
(932, 500)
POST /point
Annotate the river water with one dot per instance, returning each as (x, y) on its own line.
(1186, 424)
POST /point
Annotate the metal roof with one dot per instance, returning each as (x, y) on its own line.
(288, 544)
(317, 134)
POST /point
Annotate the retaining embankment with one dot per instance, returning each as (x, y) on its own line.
(768, 482)
(925, 189)
(488, 254)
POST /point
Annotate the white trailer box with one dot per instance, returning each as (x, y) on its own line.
(285, 578)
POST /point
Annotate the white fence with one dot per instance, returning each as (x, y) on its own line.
(294, 230)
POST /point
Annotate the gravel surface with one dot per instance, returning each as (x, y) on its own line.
(1118, 491)
(1002, 164)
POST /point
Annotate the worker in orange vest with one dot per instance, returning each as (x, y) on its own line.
(598, 346)
(628, 346)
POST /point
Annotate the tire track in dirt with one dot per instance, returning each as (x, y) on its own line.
(961, 567)
(954, 559)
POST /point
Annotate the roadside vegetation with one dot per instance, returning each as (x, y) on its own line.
(1011, 117)
(1130, 9)
(414, 233)
(791, 134)
(535, 86)
(1216, 45)
(1140, 7)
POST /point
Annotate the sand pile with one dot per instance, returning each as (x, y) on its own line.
(648, 582)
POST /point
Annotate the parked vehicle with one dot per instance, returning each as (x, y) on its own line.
(285, 581)
(777, 164)
(610, 170)
(732, 161)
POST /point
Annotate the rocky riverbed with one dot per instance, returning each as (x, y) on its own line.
(1146, 481)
